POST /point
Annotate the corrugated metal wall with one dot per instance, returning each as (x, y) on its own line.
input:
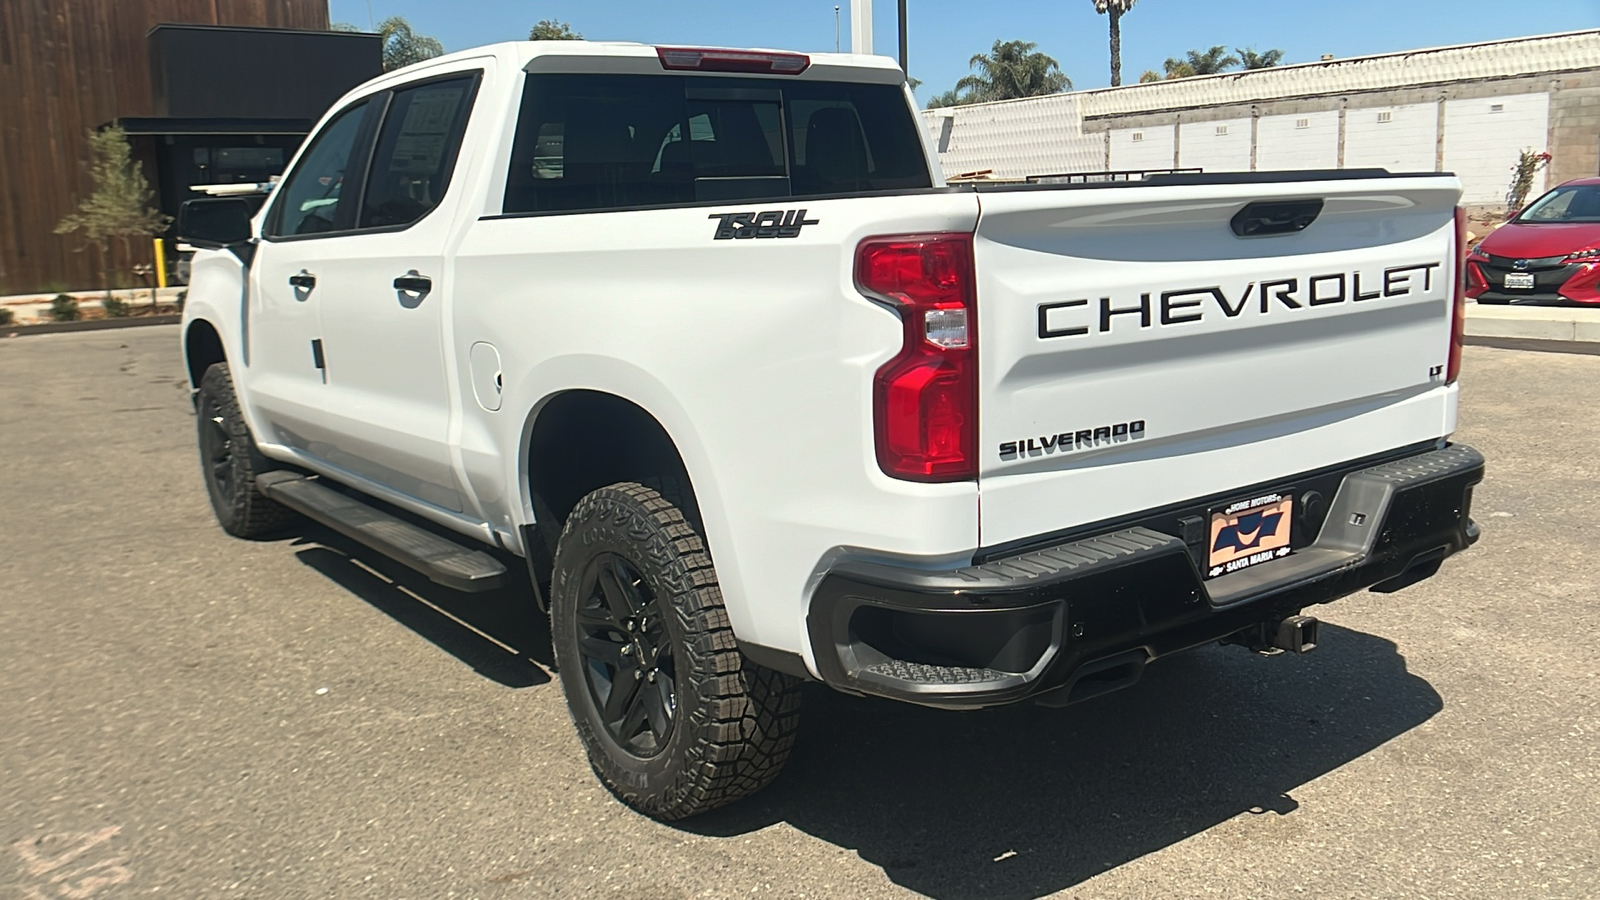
(68, 66)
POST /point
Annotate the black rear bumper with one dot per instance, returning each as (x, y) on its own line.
(1080, 617)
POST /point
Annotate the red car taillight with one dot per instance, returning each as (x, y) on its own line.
(925, 400)
(1458, 315)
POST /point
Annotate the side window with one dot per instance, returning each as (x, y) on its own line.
(598, 142)
(416, 152)
(309, 199)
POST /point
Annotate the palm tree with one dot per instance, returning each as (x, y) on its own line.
(1212, 61)
(1114, 10)
(1012, 69)
(1253, 60)
(1176, 68)
(951, 97)
(1196, 63)
(402, 46)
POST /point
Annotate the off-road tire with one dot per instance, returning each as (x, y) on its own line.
(230, 462)
(734, 722)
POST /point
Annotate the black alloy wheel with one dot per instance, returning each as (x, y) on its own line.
(216, 449)
(627, 655)
(674, 720)
(230, 461)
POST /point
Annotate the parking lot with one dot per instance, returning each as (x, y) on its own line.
(188, 715)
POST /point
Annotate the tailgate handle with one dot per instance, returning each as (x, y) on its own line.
(1270, 217)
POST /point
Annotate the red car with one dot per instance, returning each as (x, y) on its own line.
(1549, 253)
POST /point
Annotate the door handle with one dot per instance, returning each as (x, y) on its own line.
(305, 280)
(412, 283)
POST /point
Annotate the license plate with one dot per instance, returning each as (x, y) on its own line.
(1249, 533)
(1519, 281)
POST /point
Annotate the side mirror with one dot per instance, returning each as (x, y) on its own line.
(215, 222)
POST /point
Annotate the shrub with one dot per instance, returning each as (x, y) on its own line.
(64, 308)
(115, 309)
(6, 316)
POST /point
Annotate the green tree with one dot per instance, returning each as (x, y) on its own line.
(551, 30)
(1011, 70)
(1194, 62)
(402, 46)
(1114, 10)
(1250, 59)
(1177, 68)
(951, 97)
(121, 207)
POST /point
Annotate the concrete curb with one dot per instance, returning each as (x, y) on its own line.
(1538, 323)
(91, 325)
(1582, 348)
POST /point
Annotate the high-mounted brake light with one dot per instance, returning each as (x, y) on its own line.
(925, 400)
(747, 61)
(1458, 315)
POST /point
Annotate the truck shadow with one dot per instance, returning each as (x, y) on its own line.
(1013, 802)
(500, 634)
(1020, 802)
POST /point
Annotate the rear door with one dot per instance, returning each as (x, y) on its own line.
(1136, 352)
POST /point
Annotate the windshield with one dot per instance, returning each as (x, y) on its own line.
(1571, 203)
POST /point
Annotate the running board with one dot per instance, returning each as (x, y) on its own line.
(441, 559)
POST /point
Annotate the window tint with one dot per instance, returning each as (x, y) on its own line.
(309, 199)
(416, 152)
(594, 142)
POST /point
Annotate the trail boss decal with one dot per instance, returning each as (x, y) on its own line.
(1074, 318)
(1068, 441)
(777, 223)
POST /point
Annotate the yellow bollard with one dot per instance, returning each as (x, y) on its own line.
(161, 262)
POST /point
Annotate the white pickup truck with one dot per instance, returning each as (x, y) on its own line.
(704, 338)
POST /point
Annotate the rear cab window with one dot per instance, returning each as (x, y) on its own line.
(605, 142)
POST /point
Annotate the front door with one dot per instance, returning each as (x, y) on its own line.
(285, 375)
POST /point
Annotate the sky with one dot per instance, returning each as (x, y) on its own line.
(944, 34)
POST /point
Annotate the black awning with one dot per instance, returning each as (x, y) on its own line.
(161, 125)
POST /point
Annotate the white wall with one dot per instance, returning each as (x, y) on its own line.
(1484, 137)
(1283, 145)
(1201, 146)
(1142, 148)
(1408, 142)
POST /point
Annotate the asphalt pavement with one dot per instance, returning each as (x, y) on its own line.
(187, 715)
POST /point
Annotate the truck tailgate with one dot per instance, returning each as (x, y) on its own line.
(1135, 352)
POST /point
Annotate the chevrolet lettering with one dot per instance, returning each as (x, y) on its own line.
(1188, 305)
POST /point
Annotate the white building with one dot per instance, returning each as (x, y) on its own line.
(1470, 109)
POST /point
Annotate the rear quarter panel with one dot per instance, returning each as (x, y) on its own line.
(757, 357)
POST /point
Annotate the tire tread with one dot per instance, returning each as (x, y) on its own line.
(751, 714)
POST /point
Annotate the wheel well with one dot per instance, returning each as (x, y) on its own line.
(583, 441)
(202, 349)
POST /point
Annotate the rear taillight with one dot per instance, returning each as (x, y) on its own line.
(1458, 314)
(925, 400)
(691, 59)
